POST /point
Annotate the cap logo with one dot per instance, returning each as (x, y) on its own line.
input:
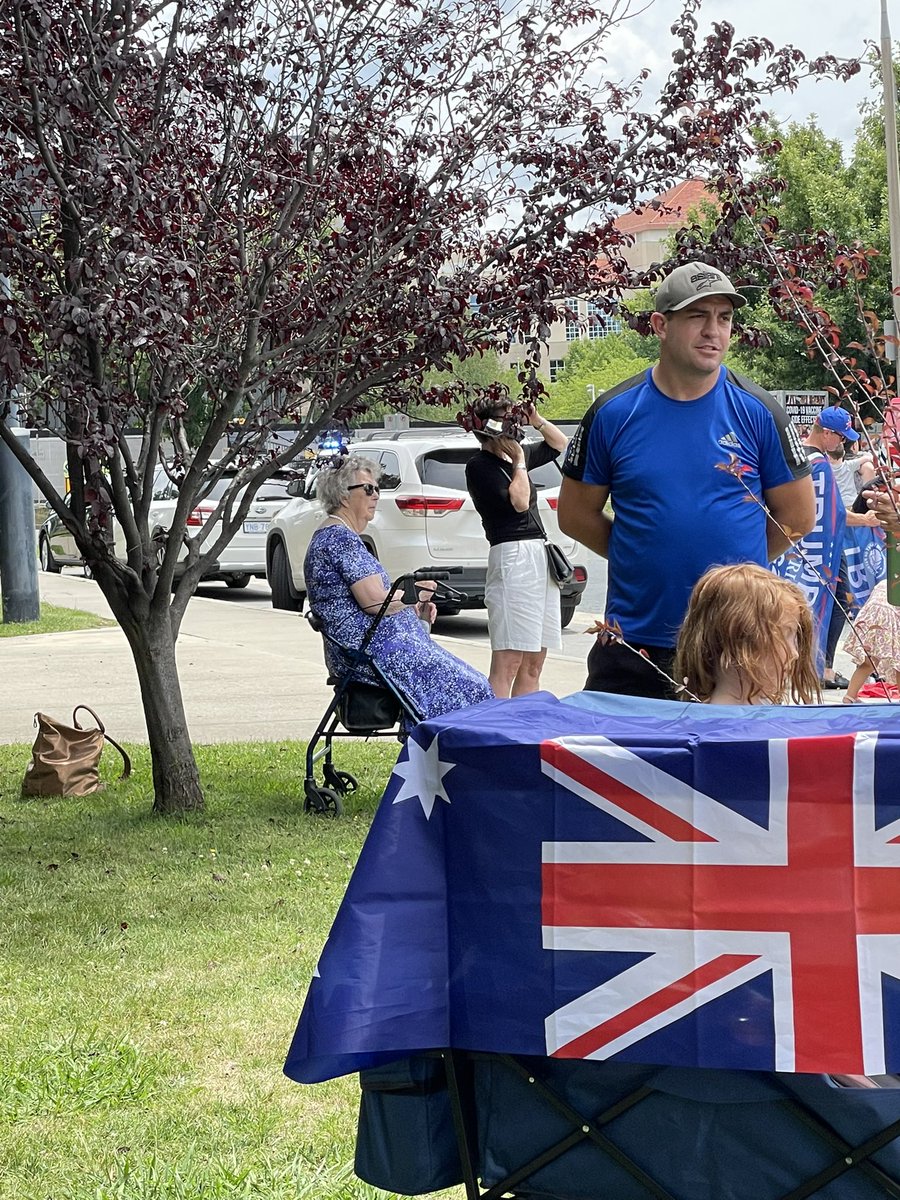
(704, 279)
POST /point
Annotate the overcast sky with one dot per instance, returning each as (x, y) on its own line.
(839, 27)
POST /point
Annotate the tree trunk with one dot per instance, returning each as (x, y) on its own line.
(176, 780)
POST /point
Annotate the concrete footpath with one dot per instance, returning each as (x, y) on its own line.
(247, 673)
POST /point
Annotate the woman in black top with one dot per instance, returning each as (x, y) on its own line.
(522, 601)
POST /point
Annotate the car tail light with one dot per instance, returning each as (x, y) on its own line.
(553, 501)
(200, 515)
(429, 506)
(579, 575)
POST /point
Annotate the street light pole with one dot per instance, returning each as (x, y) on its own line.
(18, 553)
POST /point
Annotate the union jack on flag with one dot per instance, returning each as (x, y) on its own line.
(637, 881)
(802, 890)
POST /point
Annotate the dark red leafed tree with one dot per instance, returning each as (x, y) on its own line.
(286, 211)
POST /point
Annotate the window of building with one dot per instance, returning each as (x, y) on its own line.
(573, 328)
(600, 324)
(556, 365)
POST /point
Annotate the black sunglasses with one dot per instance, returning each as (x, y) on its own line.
(371, 489)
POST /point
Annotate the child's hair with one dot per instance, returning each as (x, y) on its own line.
(734, 620)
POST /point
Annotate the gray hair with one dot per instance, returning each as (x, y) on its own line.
(333, 483)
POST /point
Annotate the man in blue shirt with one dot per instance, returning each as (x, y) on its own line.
(679, 449)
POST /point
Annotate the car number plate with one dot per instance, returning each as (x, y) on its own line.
(256, 527)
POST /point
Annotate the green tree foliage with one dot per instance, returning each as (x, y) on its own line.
(599, 365)
(477, 372)
(823, 197)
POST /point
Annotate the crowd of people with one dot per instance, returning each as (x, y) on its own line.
(736, 552)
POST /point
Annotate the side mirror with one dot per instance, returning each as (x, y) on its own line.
(296, 487)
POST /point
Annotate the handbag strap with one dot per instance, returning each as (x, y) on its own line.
(75, 710)
(508, 469)
(539, 525)
(126, 761)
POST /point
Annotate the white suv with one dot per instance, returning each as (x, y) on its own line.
(425, 519)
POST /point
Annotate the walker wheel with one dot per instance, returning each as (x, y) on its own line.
(323, 801)
(340, 781)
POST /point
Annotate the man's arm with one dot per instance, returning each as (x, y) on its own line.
(867, 519)
(581, 516)
(792, 506)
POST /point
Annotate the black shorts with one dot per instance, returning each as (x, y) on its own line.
(616, 668)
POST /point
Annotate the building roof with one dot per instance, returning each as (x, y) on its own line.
(668, 211)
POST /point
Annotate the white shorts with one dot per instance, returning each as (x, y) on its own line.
(521, 599)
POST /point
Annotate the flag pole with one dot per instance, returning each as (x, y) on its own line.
(890, 140)
(893, 188)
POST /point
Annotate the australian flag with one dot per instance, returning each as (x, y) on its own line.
(627, 880)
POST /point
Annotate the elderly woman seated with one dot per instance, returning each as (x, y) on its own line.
(346, 587)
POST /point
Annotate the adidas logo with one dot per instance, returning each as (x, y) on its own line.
(729, 441)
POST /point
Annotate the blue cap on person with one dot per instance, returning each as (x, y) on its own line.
(838, 420)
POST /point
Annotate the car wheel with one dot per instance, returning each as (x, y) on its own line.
(566, 613)
(238, 581)
(48, 562)
(280, 582)
(448, 610)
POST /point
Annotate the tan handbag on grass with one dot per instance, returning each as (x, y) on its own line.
(65, 759)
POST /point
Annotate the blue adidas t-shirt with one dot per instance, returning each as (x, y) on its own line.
(676, 512)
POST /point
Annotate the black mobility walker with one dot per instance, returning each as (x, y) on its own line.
(359, 707)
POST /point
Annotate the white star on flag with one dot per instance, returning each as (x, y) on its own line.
(423, 776)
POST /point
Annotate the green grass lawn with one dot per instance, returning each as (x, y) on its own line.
(151, 975)
(54, 620)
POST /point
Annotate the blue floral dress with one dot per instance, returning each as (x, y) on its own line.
(432, 678)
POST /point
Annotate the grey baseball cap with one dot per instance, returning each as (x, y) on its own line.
(694, 281)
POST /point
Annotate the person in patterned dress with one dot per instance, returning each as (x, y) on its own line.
(346, 587)
(874, 644)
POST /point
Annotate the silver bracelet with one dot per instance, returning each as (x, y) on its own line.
(521, 467)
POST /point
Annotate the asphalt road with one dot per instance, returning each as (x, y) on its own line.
(467, 626)
(472, 626)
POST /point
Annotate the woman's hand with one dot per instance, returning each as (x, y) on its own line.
(426, 611)
(511, 449)
(534, 418)
(555, 438)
